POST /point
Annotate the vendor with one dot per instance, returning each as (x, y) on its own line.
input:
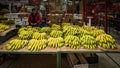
(34, 18)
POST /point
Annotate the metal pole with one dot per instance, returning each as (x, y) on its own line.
(58, 60)
(83, 12)
(106, 21)
(10, 7)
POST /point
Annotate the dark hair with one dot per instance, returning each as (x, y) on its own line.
(33, 9)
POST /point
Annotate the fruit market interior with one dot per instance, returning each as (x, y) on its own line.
(59, 34)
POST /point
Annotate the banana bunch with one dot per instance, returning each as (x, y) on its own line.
(46, 30)
(39, 36)
(88, 41)
(77, 26)
(56, 42)
(56, 33)
(81, 32)
(89, 28)
(8, 22)
(22, 29)
(34, 29)
(16, 44)
(69, 30)
(95, 33)
(27, 32)
(55, 27)
(25, 35)
(29, 28)
(72, 41)
(106, 41)
(65, 24)
(3, 27)
(37, 28)
(37, 45)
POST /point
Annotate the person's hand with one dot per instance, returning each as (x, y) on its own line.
(49, 22)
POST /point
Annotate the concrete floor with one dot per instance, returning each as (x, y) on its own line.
(49, 61)
(35, 61)
(112, 58)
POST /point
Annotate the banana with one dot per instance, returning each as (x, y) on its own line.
(105, 41)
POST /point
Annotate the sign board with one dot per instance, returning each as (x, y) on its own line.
(77, 16)
(35, 2)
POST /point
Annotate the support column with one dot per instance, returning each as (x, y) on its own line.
(83, 12)
(58, 60)
(106, 20)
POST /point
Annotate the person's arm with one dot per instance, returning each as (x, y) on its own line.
(38, 19)
(29, 19)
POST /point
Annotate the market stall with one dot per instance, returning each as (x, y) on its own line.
(49, 40)
(67, 34)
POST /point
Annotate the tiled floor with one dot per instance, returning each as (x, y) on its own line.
(35, 61)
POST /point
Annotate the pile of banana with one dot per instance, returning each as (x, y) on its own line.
(74, 37)
(106, 41)
(72, 41)
(16, 44)
(56, 42)
(22, 29)
(3, 27)
(69, 30)
(65, 24)
(81, 32)
(37, 28)
(29, 28)
(25, 35)
(27, 32)
(55, 27)
(88, 41)
(89, 28)
(96, 33)
(56, 33)
(45, 30)
(39, 36)
(37, 45)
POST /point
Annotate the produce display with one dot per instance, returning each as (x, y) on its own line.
(3, 27)
(72, 41)
(39, 36)
(88, 41)
(69, 30)
(81, 32)
(106, 41)
(57, 36)
(56, 42)
(26, 33)
(37, 45)
(45, 30)
(16, 44)
(65, 24)
(55, 33)
(95, 33)
(89, 28)
(55, 27)
(8, 22)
